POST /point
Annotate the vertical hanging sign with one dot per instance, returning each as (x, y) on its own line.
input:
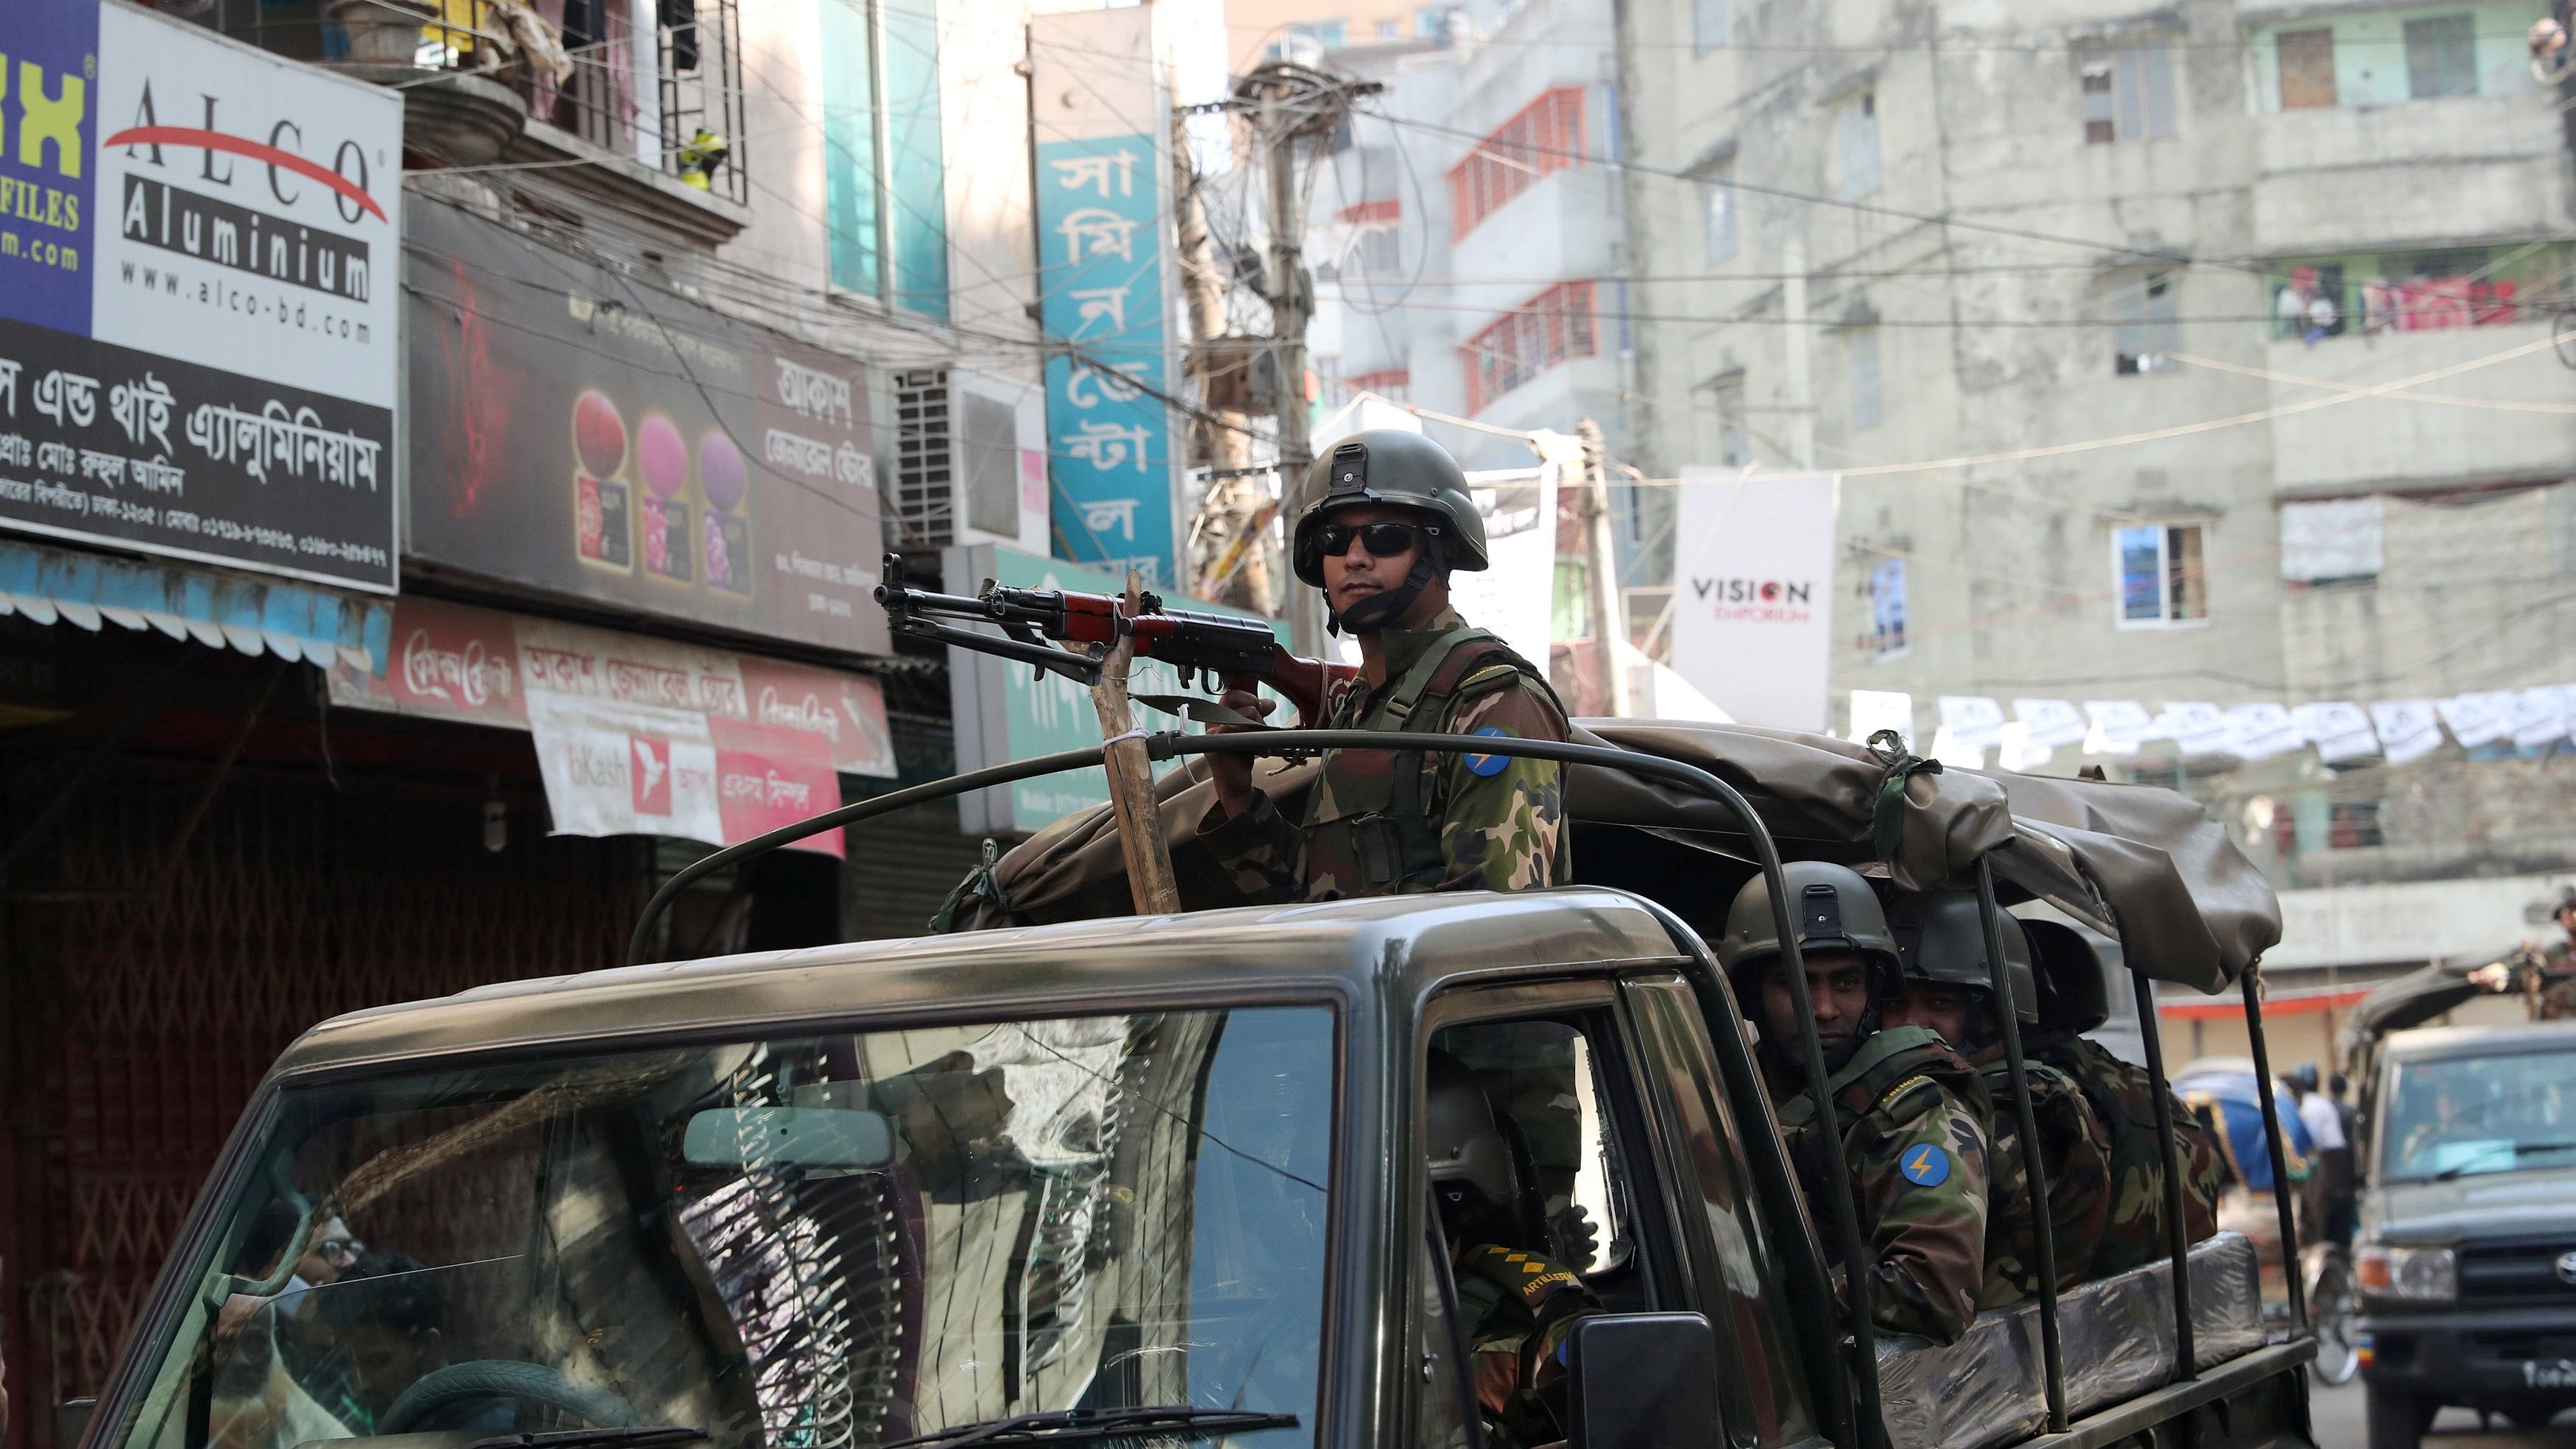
(1100, 131)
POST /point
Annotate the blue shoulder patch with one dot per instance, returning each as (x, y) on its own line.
(1489, 766)
(1925, 1166)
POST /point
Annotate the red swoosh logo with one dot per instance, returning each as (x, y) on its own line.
(243, 146)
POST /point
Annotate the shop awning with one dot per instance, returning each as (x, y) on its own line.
(220, 610)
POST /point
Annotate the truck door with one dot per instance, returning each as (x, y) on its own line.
(1576, 1077)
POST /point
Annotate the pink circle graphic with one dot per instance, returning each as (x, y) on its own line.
(661, 456)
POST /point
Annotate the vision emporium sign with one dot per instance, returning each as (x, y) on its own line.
(199, 244)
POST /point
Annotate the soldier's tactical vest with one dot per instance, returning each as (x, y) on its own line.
(1380, 833)
(1884, 1069)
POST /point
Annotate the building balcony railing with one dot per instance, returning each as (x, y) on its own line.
(647, 81)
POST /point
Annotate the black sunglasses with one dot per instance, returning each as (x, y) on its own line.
(1382, 540)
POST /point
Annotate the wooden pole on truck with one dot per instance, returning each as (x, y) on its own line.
(1131, 779)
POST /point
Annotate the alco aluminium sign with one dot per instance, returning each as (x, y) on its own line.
(199, 250)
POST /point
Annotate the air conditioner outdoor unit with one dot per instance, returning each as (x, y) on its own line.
(970, 460)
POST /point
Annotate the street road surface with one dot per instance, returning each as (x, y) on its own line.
(2337, 1414)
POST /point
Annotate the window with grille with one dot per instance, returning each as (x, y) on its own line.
(2307, 67)
(1859, 126)
(2161, 573)
(2441, 57)
(1553, 327)
(1547, 136)
(2352, 824)
(1717, 215)
(1860, 352)
(2128, 92)
(1395, 384)
(2146, 328)
(1708, 26)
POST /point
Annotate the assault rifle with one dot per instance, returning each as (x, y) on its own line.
(1238, 653)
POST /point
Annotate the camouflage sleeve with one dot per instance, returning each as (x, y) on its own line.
(1261, 849)
(2079, 1178)
(1922, 1185)
(1501, 818)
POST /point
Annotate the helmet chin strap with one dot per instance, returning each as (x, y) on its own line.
(1378, 610)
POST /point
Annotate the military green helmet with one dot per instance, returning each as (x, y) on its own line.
(1942, 937)
(1834, 909)
(2073, 996)
(1398, 469)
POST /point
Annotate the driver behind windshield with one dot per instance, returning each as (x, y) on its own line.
(388, 1319)
(1517, 1307)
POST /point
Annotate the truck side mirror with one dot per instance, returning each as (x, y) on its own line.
(1642, 1381)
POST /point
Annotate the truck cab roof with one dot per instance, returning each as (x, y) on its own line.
(2429, 1043)
(1395, 949)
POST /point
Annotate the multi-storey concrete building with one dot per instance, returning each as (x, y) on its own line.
(2098, 306)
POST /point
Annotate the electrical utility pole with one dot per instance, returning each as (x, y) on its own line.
(1230, 557)
(1290, 104)
(1601, 567)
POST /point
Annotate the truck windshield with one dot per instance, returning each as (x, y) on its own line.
(2451, 1117)
(802, 1243)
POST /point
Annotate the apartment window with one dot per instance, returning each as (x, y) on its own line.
(1887, 610)
(1430, 20)
(1389, 29)
(1708, 26)
(1395, 384)
(2352, 824)
(2162, 577)
(1860, 353)
(2307, 61)
(2128, 92)
(1553, 327)
(1859, 127)
(1717, 215)
(885, 177)
(2441, 57)
(1726, 401)
(1546, 136)
(2146, 326)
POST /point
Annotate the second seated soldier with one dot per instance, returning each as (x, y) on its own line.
(1388, 520)
(1909, 1114)
(2074, 999)
(1948, 988)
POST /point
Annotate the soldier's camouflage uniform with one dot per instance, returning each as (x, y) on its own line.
(2078, 1170)
(1388, 822)
(1912, 1116)
(2558, 971)
(2123, 1098)
(1519, 1309)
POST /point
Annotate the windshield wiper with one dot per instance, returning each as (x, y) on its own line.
(632, 1436)
(2516, 1148)
(1171, 1421)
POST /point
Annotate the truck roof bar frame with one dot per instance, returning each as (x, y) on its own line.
(2177, 1232)
(1171, 744)
(2034, 1177)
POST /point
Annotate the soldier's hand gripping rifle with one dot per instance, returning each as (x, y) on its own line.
(1240, 653)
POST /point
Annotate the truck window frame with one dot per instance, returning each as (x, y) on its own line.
(1789, 1373)
(1592, 1006)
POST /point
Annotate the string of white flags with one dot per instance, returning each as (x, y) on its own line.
(2026, 733)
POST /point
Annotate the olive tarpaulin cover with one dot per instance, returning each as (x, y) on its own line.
(2145, 865)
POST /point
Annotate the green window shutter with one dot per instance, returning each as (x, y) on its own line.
(917, 172)
(850, 146)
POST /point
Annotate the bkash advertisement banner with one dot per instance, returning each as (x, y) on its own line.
(581, 435)
(1753, 606)
(1098, 121)
(198, 248)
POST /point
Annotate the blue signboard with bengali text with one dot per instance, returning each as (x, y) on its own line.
(1109, 438)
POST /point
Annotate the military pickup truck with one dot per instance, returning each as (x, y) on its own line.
(1164, 1177)
(2466, 1253)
